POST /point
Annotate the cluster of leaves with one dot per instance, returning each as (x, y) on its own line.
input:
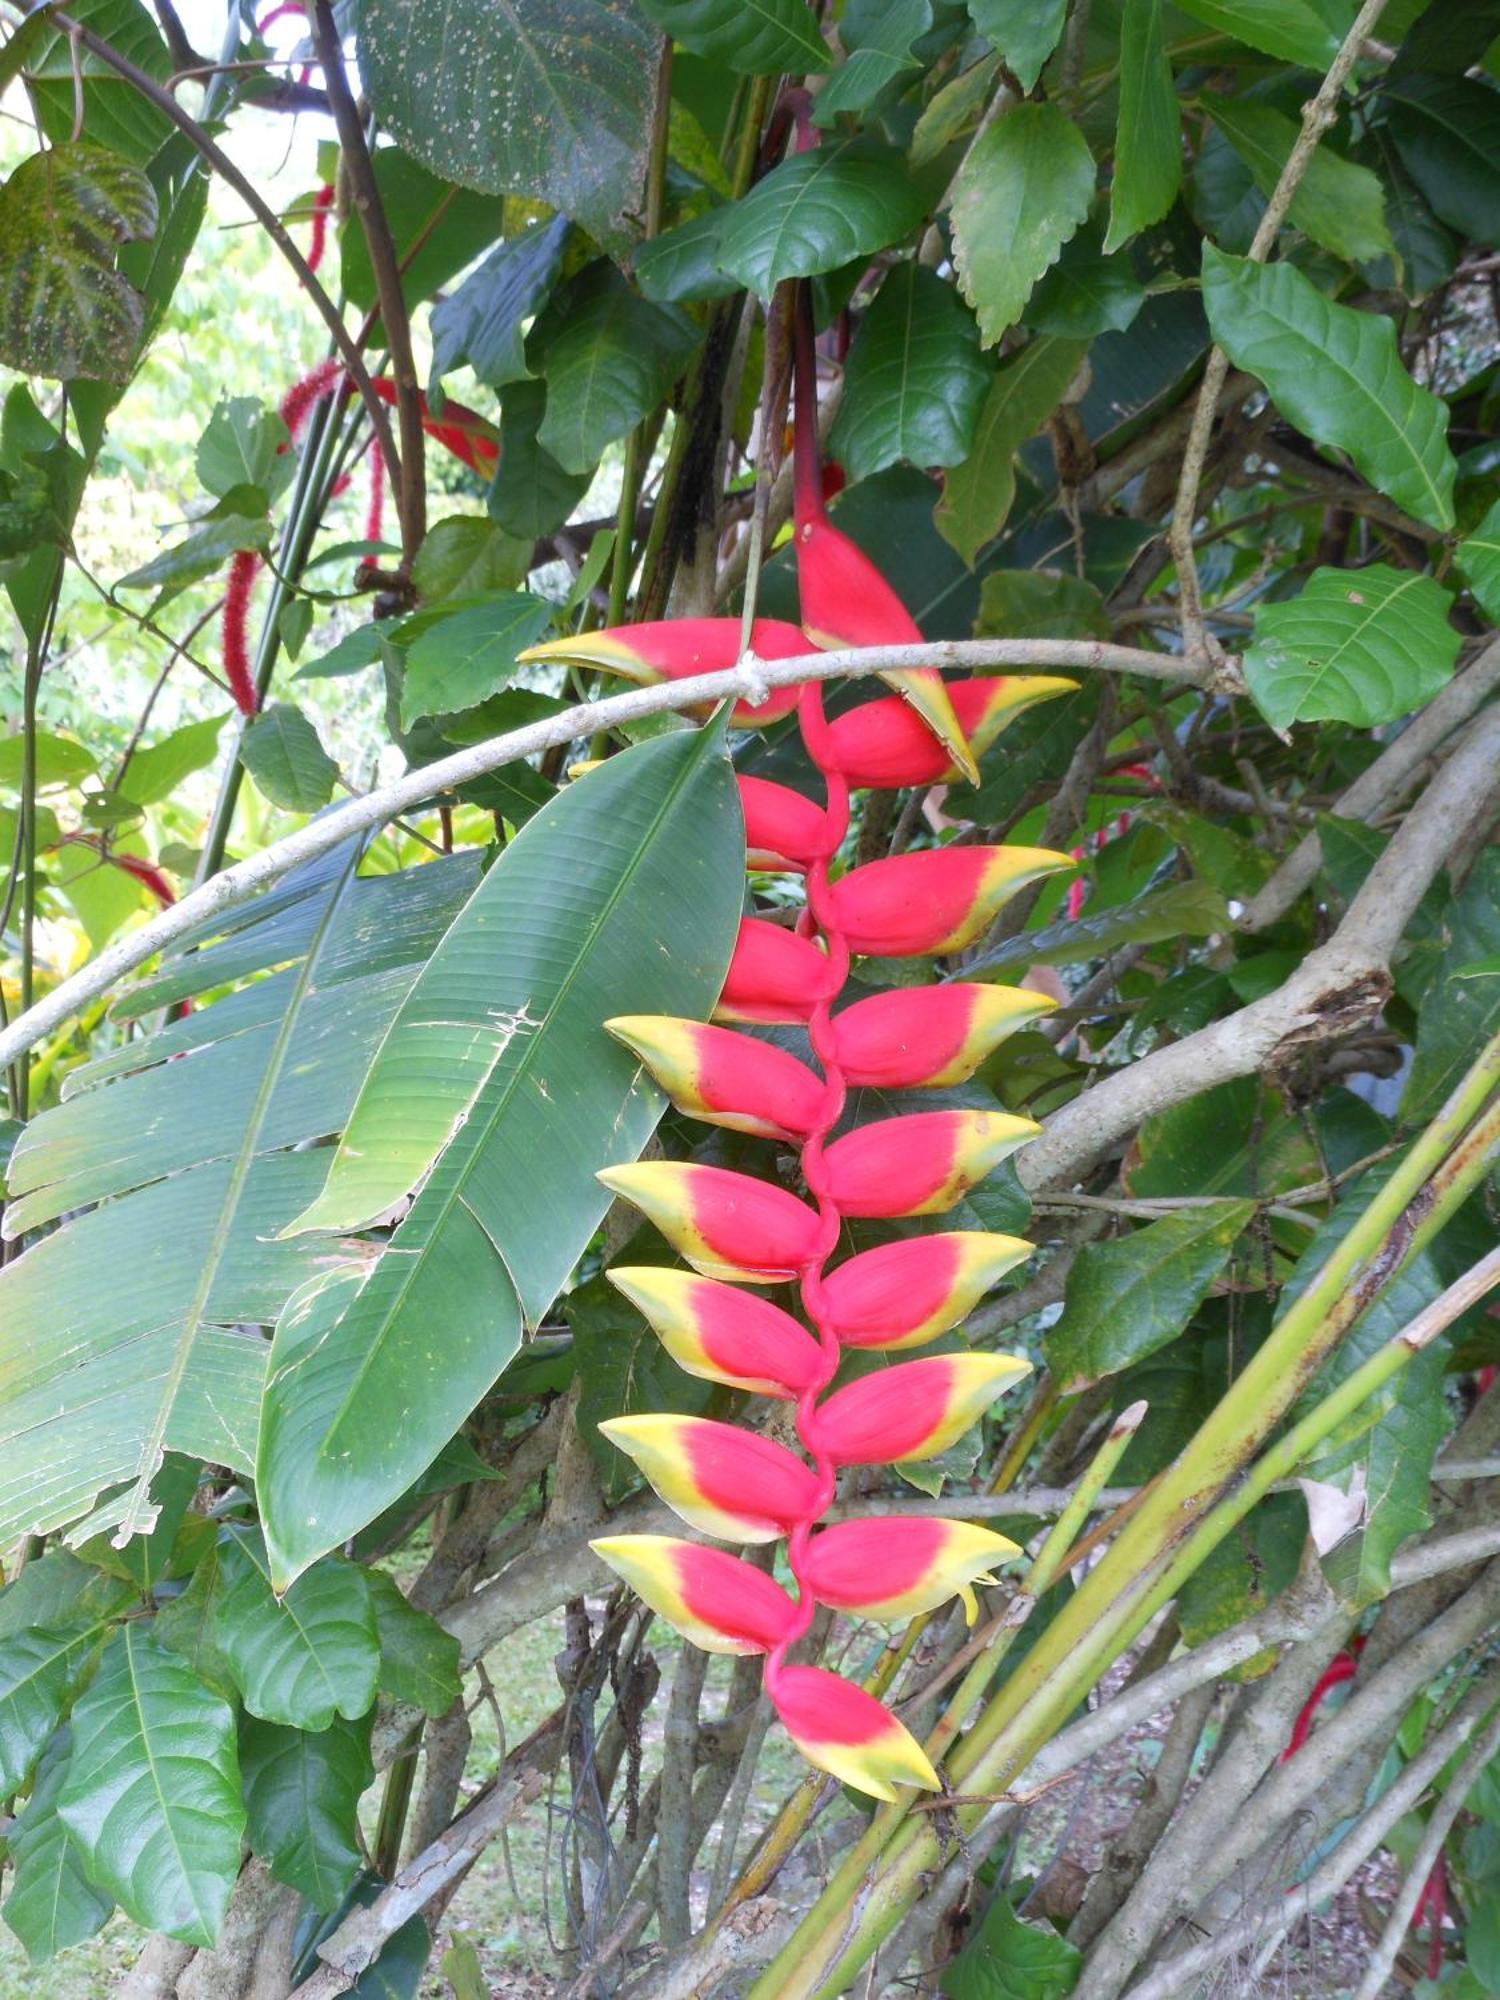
(1025, 234)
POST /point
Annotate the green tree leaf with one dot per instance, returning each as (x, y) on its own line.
(481, 325)
(204, 553)
(1337, 375)
(305, 1657)
(682, 267)
(1361, 646)
(1026, 389)
(52, 1903)
(1024, 31)
(1009, 1959)
(39, 1669)
(284, 755)
(302, 1794)
(531, 494)
(877, 36)
(1337, 203)
(554, 104)
(244, 444)
(498, 1095)
(1025, 186)
(1148, 138)
(116, 115)
(437, 229)
(459, 661)
(65, 309)
(1182, 909)
(1447, 131)
(157, 769)
(466, 556)
(914, 382)
(418, 1659)
(1293, 31)
(749, 37)
(817, 212)
(1478, 558)
(1127, 1298)
(1086, 292)
(1459, 1012)
(152, 1792)
(609, 356)
(1039, 604)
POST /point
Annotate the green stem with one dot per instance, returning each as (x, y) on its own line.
(395, 1802)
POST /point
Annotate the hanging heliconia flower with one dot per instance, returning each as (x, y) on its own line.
(736, 1231)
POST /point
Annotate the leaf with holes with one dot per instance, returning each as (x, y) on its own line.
(495, 1096)
(481, 324)
(302, 1794)
(1337, 203)
(1126, 1299)
(303, 1658)
(1447, 131)
(1337, 375)
(284, 755)
(52, 1903)
(152, 1793)
(1027, 388)
(1148, 138)
(552, 102)
(65, 309)
(1362, 646)
(818, 211)
(1024, 188)
(608, 357)
(914, 382)
(749, 37)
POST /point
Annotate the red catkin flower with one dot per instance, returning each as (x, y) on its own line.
(234, 630)
(317, 244)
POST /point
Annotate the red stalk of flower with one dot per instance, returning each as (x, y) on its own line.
(1342, 1667)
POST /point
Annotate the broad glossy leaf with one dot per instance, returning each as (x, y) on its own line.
(1362, 646)
(914, 381)
(497, 1095)
(1024, 31)
(57, 1589)
(418, 1659)
(1447, 131)
(303, 1658)
(152, 1792)
(481, 324)
(39, 1669)
(1337, 203)
(749, 37)
(682, 267)
(817, 212)
(1039, 604)
(1148, 138)
(285, 756)
(398, 1972)
(1459, 1012)
(116, 115)
(126, 1328)
(530, 494)
(1478, 558)
(65, 309)
(877, 36)
(52, 1904)
(1128, 1297)
(1025, 187)
(1294, 31)
(155, 771)
(1008, 1958)
(1234, 1140)
(609, 356)
(459, 661)
(1026, 389)
(302, 1794)
(1337, 375)
(244, 444)
(437, 229)
(554, 103)
(1086, 292)
(465, 556)
(1447, 37)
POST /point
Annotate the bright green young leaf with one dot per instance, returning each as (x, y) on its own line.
(531, 494)
(152, 1792)
(60, 760)
(1024, 31)
(622, 896)
(1447, 131)
(877, 36)
(914, 382)
(555, 105)
(1478, 558)
(244, 444)
(1128, 1297)
(1337, 375)
(302, 1794)
(1008, 1958)
(283, 754)
(65, 309)
(52, 1904)
(1337, 204)
(115, 114)
(155, 771)
(1462, 1006)
(418, 1659)
(1362, 646)
(303, 1658)
(1025, 187)
(609, 357)
(749, 37)
(1027, 388)
(817, 212)
(481, 324)
(1294, 31)
(459, 661)
(1148, 138)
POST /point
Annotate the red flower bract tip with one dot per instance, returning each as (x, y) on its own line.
(902, 1294)
(846, 1732)
(920, 1037)
(726, 1225)
(725, 1078)
(720, 1333)
(898, 1566)
(774, 976)
(922, 1164)
(730, 1483)
(672, 649)
(886, 744)
(915, 1409)
(939, 900)
(715, 1600)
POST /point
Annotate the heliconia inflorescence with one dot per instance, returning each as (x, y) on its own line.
(736, 1231)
